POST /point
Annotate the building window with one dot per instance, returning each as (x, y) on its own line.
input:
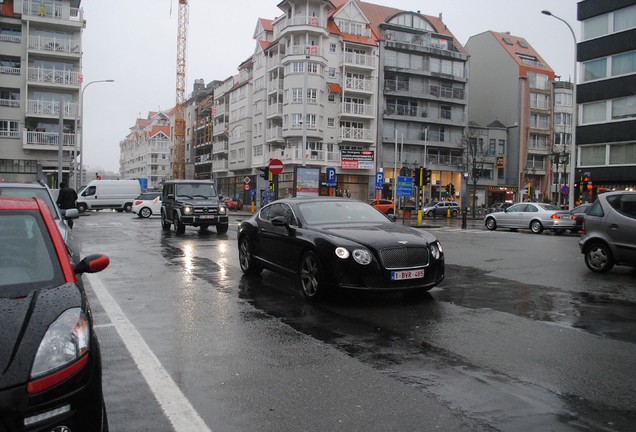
(592, 155)
(331, 97)
(332, 72)
(595, 27)
(594, 112)
(538, 80)
(623, 108)
(297, 95)
(622, 154)
(539, 121)
(562, 119)
(595, 69)
(501, 149)
(9, 129)
(625, 19)
(623, 64)
(331, 122)
(539, 100)
(562, 99)
(332, 47)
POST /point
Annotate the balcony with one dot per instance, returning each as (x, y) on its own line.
(359, 85)
(350, 109)
(57, 12)
(302, 50)
(274, 110)
(55, 45)
(220, 147)
(220, 129)
(47, 141)
(291, 156)
(274, 134)
(9, 70)
(12, 103)
(276, 86)
(50, 108)
(299, 23)
(219, 165)
(356, 134)
(364, 61)
(54, 76)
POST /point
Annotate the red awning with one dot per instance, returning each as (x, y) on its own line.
(335, 88)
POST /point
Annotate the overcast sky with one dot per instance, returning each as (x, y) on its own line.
(134, 43)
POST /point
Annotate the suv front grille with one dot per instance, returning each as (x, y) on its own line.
(404, 257)
(198, 211)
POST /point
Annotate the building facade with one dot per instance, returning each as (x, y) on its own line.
(145, 152)
(511, 83)
(40, 71)
(606, 96)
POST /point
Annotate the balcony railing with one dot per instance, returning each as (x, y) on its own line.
(56, 11)
(356, 109)
(357, 59)
(295, 156)
(63, 45)
(220, 147)
(359, 84)
(275, 110)
(274, 134)
(11, 38)
(8, 70)
(219, 165)
(41, 107)
(296, 21)
(54, 76)
(13, 103)
(349, 133)
(313, 50)
(51, 139)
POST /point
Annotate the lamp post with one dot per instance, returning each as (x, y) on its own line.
(80, 112)
(304, 119)
(573, 158)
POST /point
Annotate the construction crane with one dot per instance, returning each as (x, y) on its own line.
(178, 163)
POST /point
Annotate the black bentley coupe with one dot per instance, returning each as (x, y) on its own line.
(339, 243)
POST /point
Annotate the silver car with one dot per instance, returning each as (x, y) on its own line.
(41, 190)
(533, 216)
(609, 232)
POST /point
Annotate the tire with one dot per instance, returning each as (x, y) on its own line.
(128, 207)
(430, 213)
(536, 227)
(165, 225)
(179, 227)
(454, 213)
(121, 210)
(82, 208)
(310, 277)
(389, 212)
(145, 212)
(222, 228)
(598, 258)
(491, 223)
(246, 257)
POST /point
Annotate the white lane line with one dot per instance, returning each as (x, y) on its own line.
(175, 405)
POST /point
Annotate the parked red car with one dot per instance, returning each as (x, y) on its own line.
(233, 204)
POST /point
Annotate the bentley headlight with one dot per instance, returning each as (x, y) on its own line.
(188, 210)
(342, 253)
(362, 256)
(436, 250)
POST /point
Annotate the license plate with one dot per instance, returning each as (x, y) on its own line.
(407, 274)
(207, 217)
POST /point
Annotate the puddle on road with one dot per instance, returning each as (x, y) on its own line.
(593, 313)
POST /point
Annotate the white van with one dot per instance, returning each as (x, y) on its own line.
(108, 194)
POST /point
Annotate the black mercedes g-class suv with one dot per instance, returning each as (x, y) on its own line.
(192, 202)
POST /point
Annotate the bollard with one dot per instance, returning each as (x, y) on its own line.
(464, 213)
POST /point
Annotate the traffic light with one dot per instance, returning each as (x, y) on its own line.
(264, 172)
(586, 181)
(427, 176)
(450, 189)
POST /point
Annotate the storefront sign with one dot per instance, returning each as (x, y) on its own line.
(357, 159)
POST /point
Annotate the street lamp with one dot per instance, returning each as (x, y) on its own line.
(80, 111)
(573, 158)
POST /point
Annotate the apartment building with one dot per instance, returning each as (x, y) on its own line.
(606, 95)
(145, 152)
(511, 83)
(562, 109)
(40, 72)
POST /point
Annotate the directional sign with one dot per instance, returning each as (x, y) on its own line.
(331, 177)
(379, 180)
(405, 186)
(275, 166)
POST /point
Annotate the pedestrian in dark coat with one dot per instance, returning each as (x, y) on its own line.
(67, 199)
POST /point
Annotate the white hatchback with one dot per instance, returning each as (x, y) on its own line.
(147, 204)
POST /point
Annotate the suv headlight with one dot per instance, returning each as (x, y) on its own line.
(66, 340)
(222, 210)
(188, 210)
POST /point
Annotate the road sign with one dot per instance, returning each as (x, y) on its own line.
(405, 186)
(246, 180)
(379, 180)
(565, 190)
(275, 166)
(331, 177)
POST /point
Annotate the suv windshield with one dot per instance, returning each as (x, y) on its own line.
(195, 190)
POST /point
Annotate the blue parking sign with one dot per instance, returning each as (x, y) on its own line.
(379, 180)
(331, 177)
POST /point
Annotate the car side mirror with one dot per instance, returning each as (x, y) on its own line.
(72, 213)
(221, 197)
(92, 264)
(279, 221)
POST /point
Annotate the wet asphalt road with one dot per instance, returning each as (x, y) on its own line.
(520, 337)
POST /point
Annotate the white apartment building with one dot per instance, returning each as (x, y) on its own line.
(145, 152)
(40, 75)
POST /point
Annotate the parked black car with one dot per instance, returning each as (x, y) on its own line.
(50, 362)
(579, 213)
(608, 237)
(339, 243)
(195, 203)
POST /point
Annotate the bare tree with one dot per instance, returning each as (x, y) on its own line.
(475, 156)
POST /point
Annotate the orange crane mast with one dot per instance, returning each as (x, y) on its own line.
(178, 163)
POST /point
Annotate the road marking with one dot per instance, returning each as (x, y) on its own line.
(175, 405)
